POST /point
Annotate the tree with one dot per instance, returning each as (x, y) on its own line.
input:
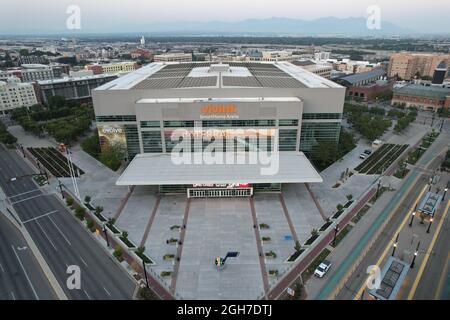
(326, 153)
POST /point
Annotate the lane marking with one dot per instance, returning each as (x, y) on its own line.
(38, 217)
(107, 292)
(46, 235)
(84, 262)
(59, 230)
(389, 245)
(30, 198)
(13, 296)
(87, 295)
(23, 193)
(428, 254)
(442, 279)
(24, 271)
(1, 268)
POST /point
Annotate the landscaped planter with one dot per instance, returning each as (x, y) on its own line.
(166, 274)
(113, 229)
(295, 255)
(270, 255)
(311, 240)
(169, 257)
(172, 241)
(337, 214)
(325, 226)
(127, 242)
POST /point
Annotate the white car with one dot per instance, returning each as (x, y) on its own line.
(365, 154)
(322, 269)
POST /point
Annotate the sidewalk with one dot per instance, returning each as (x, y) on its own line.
(347, 245)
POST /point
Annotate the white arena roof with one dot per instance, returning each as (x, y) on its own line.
(159, 169)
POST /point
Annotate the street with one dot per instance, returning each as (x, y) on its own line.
(21, 277)
(59, 236)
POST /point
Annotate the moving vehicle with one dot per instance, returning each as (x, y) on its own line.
(322, 269)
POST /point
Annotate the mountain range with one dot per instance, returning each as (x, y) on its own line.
(285, 26)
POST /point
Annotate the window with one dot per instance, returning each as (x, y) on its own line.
(152, 142)
(288, 122)
(179, 124)
(150, 124)
(287, 139)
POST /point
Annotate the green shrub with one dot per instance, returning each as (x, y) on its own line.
(69, 201)
(118, 253)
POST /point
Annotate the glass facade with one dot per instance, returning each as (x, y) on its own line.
(132, 138)
(313, 132)
(237, 123)
(321, 116)
(152, 142)
(116, 118)
(287, 139)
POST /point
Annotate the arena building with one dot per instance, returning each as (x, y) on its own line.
(250, 107)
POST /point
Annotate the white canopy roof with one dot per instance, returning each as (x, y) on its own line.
(161, 169)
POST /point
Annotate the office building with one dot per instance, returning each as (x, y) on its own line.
(407, 65)
(173, 57)
(14, 94)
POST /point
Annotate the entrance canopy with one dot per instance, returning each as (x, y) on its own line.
(161, 169)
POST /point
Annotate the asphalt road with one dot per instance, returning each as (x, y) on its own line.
(435, 281)
(356, 280)
(60, 238)
(21, 277)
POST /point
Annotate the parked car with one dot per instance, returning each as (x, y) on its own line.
(322, 269)
(365, 154)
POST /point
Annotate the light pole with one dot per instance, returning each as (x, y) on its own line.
(336, 230)
(145, 273)
(106, 235)
(395, 244)
(378, 188)
(415, 255)
(429, 225)
(412, 218)
(60, 189)
(445, 190)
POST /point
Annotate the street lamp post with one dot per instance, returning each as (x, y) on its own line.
(378, 188)
(445, 190)
(60, 189)
(106, 235)
(336, 230)
(145, 273)
(415, 255)
(395, 244)
(412, 218)
(429, 225)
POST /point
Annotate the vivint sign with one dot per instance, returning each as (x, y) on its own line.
(219, 111)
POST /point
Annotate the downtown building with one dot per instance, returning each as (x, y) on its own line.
(249, 107)
(15, 94)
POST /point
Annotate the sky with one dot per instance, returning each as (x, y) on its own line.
(44, 16)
